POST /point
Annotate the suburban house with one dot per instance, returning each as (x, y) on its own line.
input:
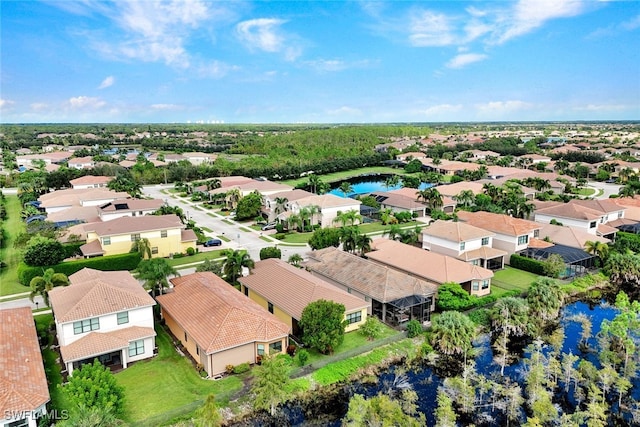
(64, 199)
(329, 207)
(197, 158)
(448, 167)
(219, 326)
(393, 296)
(590, 215)
(464, 242)
(247, 186)
(452, 190)
(271, 208)
(512, 235)
(569, 236)
(431, 266)
(285, 290)
(81, 163)
(406, 200)
(104, 315)
(24, 391)
(90, 181)
(56, 157)
(167, 235)
(128, 207)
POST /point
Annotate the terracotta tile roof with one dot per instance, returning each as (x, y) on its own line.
(428, 265)
(135, 224)
(92, 248)
(367, 277)
(292, 195)
(327, 201)
(570, 210)
(455, 231)
(484, 252)
(604, 229)
(569, 236)
(94, 293)
(453, 190)
(292, 289)
(627, 201)
(539, 244)
(91, 180)
(124, 205)
(188, 236)
(216, 315)
(499, 223)
(82, 213)
(97, 343)
(601, 205)
(77, 197)
(81, 160)
(401, 201)
(23, 384)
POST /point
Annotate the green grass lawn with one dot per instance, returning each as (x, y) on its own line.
(12, 225)
(297, 237)
(340, 176)
(199, 257)
(509, 279)
(168, 384)
(585, 192)
(375, 227)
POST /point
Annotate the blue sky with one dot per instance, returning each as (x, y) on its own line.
(319, 62)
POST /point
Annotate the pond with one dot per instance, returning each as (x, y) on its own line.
(369, 184)
(426, 382)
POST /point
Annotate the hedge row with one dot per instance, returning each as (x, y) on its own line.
(527, 264)
(128, 261)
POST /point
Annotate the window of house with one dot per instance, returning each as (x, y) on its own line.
(106, 241)
(136, 348)
(163, 233)
(474, 286)
(592, 224)
(354, 317)
(485, 284)
(475, 262)
(275, 347)
(485, 241)
(198, 350)
(367, 299)
(123, 317)
(154, 250)
(185, 337)
(140, 213)
(462, 246)
(620, 214)
(536, 233)
(246, 291)
(86, 325)
(135, 237)
(522, 240)
(20, 423)
(260, 349)
(270, 307)
(349, 290)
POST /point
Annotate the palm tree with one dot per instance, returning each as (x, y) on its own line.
(305, 215)
(295, 260)
(465, 198)
(232, 198)
(492, 191)
(236, 260)
(213, 184)
(349, 238)
(391, 181)
(169, 210)
(600, 249)
(313, 210)
(41, 285)
(313, 183)
(154, 272)
(363, 243)
(349, 217)
(143, 247)
(509, 317)
(452, 333)
(386, 216)
(432, 198)
(545, 299)
(294, 221)
(346, 188)
(394, 232)
(625, 174)
(281, 203)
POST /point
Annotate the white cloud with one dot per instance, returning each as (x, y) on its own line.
(39, 106)
(498, 108)
(438, 110)
(266, 34)
(6, 104)
(612, 30)
(460, 61)
(431, 29)
(85, 103)
(603, 107)
(325, 65)
(166, 107)
(107, 82)
(345, 111)
(215, 69)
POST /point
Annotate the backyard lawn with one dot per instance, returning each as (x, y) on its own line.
(12, 225)
(509, 279)
(199, 257)
(168, 386)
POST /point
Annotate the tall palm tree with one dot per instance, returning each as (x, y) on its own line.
(394, 232)
(363, 243)
(294, 221)
(492, 191)
(432, 197)
(236, 260)
(346, 188)
(281, 203)
(213, 184)
(305, 215)
(465, 198)
(232, 198)
(452, 333)
(154, 272)
(349, 238)
(391, 181)
(313, 210)
(143, 247)
(41, 285)
(313, 183)
(600, 249)
(168, 210)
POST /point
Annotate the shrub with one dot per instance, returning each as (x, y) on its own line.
(42, 251)
(303, 356)
(229, 369)
(280, 236)
(414, 328)
(527, 264)
(270, 252)
(241, 368)
(71, 249)
(191, 251)
(371, 328)
(291, 350)
(451, 296)
(480, 317)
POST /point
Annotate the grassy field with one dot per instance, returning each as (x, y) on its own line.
(12, 225)
(510, 279)
(168, 384)
(340, 176)
(374, 227)
(199, 257)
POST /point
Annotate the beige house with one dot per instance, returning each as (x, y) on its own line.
(104, 315)
(63, 199)
(218, 325)
(90, 181)
(431, 266)
(329, 207)
(24, 391)
(285, 291)
(166, 234)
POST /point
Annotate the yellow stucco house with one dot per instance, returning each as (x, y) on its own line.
(218, 325)
(285, 291)
(166, 234)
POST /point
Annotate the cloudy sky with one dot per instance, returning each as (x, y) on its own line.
(319, 61)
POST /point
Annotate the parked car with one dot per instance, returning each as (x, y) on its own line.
(269, 226)
(213, 242)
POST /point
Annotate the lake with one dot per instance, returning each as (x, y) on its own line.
(369, 184)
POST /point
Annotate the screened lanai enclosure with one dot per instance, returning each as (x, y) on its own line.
(401, 310)
(577, 261)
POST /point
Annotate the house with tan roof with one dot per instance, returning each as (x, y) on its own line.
(631, 205)
(431, 266)
(329, 207)
(104, 315)
(569, 236)
(264, 187)
(285, 291)
(24, 391)
(271, 208)
(167, 235)
(54, 158)
(198, 158)
(449, 167)
(90, 181)
(591, 215)
(128, 207)
(464, 242)
(81, 163)
(452, 190)
(512, 235)
(63, 199)
(218, 325)
(406, 200)
(393, 296)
